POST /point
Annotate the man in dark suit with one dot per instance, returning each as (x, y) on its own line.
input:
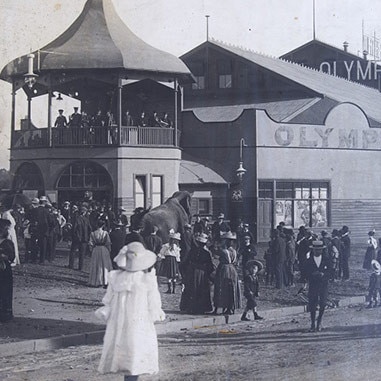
(44, 226)
(117, 238)
(219, 227)
(80, 238)
(318, 271)
(345, 253)
(278, 250)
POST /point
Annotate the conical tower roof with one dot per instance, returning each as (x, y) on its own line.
(99, 39)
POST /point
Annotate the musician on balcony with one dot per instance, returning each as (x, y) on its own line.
(143, 121)
(165, 121)
(154, 120)
(61, 121)
(75, 118)
(127, 119)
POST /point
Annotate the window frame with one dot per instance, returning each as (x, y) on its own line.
(136, 177)
(280, 192)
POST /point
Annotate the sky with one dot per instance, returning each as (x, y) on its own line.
(272, 27)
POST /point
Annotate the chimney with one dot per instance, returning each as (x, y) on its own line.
(365, 54)
(345, 44)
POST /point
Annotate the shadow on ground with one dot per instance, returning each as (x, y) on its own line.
(23, 328)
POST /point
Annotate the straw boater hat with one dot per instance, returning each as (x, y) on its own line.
(229, 235)
(317, 245)
(376, 266)
(221, 215)
(35, 201)
(202, 238)
(254, 262)
(135, 257)
(174, 235)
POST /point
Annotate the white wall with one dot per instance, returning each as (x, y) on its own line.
(345, 151)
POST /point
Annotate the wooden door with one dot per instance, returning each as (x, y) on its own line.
(265, 219)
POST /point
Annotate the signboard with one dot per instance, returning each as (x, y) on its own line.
(335, 134)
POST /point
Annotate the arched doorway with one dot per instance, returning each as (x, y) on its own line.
(28, 177)
(84, 178)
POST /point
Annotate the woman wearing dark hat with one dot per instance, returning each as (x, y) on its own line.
(370, 253)
(227, 294)
(100, 264)
(318, 271)
(7, 256)
(196, 295)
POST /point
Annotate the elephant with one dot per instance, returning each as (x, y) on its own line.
(173, 214)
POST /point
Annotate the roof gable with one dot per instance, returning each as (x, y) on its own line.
(336, 88)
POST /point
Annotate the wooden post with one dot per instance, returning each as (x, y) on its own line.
(29, 112)
(119, 110)
(13, 115)
(49, 118)
(176, 106)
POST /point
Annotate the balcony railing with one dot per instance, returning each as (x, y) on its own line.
(94, 136)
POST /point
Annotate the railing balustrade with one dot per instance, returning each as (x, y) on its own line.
(94, 136)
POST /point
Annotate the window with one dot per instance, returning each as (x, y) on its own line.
(140, 191)
(265, 189)
(200, 82)
(84, 175)
(225, 81)
(157, 190)
(198, 70)
(204, 206)
(298, 203)
(224, 69)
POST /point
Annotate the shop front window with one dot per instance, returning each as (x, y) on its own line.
(298, 203)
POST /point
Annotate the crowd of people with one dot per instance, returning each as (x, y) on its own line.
(82, 119)
(208, 261)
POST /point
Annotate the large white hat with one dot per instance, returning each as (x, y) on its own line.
(135, 257)
(174, 235)
(202, 238)
(229, 235)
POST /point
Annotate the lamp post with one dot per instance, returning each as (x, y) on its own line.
(241, 170)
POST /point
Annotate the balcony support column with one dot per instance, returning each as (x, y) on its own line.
(176, 88)
(13, 115)
(119, 110)
(50, 118)
(29, 112)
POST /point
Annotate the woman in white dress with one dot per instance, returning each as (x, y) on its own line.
(7, 215)
(131, 306)
(100, 264)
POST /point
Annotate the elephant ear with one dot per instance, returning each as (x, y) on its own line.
(184, 199)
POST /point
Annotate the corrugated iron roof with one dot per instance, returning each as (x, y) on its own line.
(339, 89)
(196, 173)
(277, 110)
(99, 39)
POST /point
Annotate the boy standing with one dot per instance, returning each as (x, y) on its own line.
(251, 288)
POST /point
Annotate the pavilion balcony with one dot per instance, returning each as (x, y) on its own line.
(94, 136)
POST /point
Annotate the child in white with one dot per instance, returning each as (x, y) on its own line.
(132, 304)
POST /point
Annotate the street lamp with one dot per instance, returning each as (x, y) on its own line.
(30, 77)
(241, 170)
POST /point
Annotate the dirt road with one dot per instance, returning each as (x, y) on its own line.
(347, 349)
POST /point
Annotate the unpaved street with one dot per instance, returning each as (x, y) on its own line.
(347, 349)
